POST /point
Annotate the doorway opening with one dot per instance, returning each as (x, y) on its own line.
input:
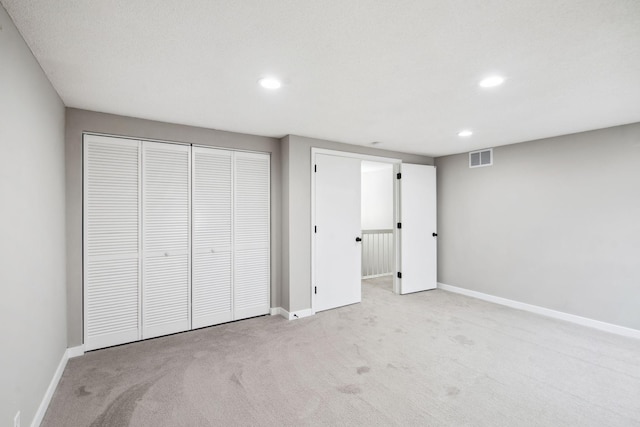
(377, 223)
(336, 271)
(337, 225)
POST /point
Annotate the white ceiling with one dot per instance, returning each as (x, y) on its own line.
(403, 73)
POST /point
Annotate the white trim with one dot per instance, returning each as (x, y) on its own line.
(297, 314)
(118, 136)
(46, 399)
(369, 157)
(583, 321)
(275, 311)
(397, 233)
(75, 351)
(169, 141)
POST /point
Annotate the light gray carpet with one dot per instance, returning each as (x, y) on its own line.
(431, 358)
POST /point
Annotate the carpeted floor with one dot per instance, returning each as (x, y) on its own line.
(432, 358)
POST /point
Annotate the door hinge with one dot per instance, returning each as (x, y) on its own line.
(315, 168)
(315, 228)
(315, 289)
(399, 175)
(399, 275)
(399, 225)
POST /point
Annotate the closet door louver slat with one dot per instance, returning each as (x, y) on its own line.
(175, 237)
(166, 290)
(212, 233)
(251, 235)
(111, 241)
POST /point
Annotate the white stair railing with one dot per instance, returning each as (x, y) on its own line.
(377, 253)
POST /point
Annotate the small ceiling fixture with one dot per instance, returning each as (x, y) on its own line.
(375, 143)
(270, 83)
(464, 133)
(491, 81)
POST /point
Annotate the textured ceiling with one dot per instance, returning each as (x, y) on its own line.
(403, 73)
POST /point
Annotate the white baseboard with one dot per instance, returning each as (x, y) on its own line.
(75, 351)
(42, 409)
(299, 314)
(584, 321)
(275, 311)
(293, 315)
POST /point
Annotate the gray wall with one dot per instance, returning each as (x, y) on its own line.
(554, 223)
(32, 272)
(297, 211)
(79, 121)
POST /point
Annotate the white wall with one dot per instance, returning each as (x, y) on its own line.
(553, 223)
(377, 196)
(32, 228)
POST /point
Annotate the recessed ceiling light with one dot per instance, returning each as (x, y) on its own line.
(464, 133)
(492, 81)
(270, 83)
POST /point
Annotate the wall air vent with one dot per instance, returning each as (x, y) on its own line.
(481, 158)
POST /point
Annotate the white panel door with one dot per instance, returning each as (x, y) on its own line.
(166, 277)
(418, 233)
(337, 218)
(251, 231)
(111, 241)
(212, 233)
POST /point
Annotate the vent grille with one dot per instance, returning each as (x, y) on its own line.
(481, 158)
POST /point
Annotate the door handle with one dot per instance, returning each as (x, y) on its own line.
(434, 234)
(358, 239)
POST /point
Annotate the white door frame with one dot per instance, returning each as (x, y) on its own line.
(396, 210)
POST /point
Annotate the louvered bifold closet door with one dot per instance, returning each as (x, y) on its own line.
(251, 235)
(111, 241)
(212, 222)
(166, 276)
